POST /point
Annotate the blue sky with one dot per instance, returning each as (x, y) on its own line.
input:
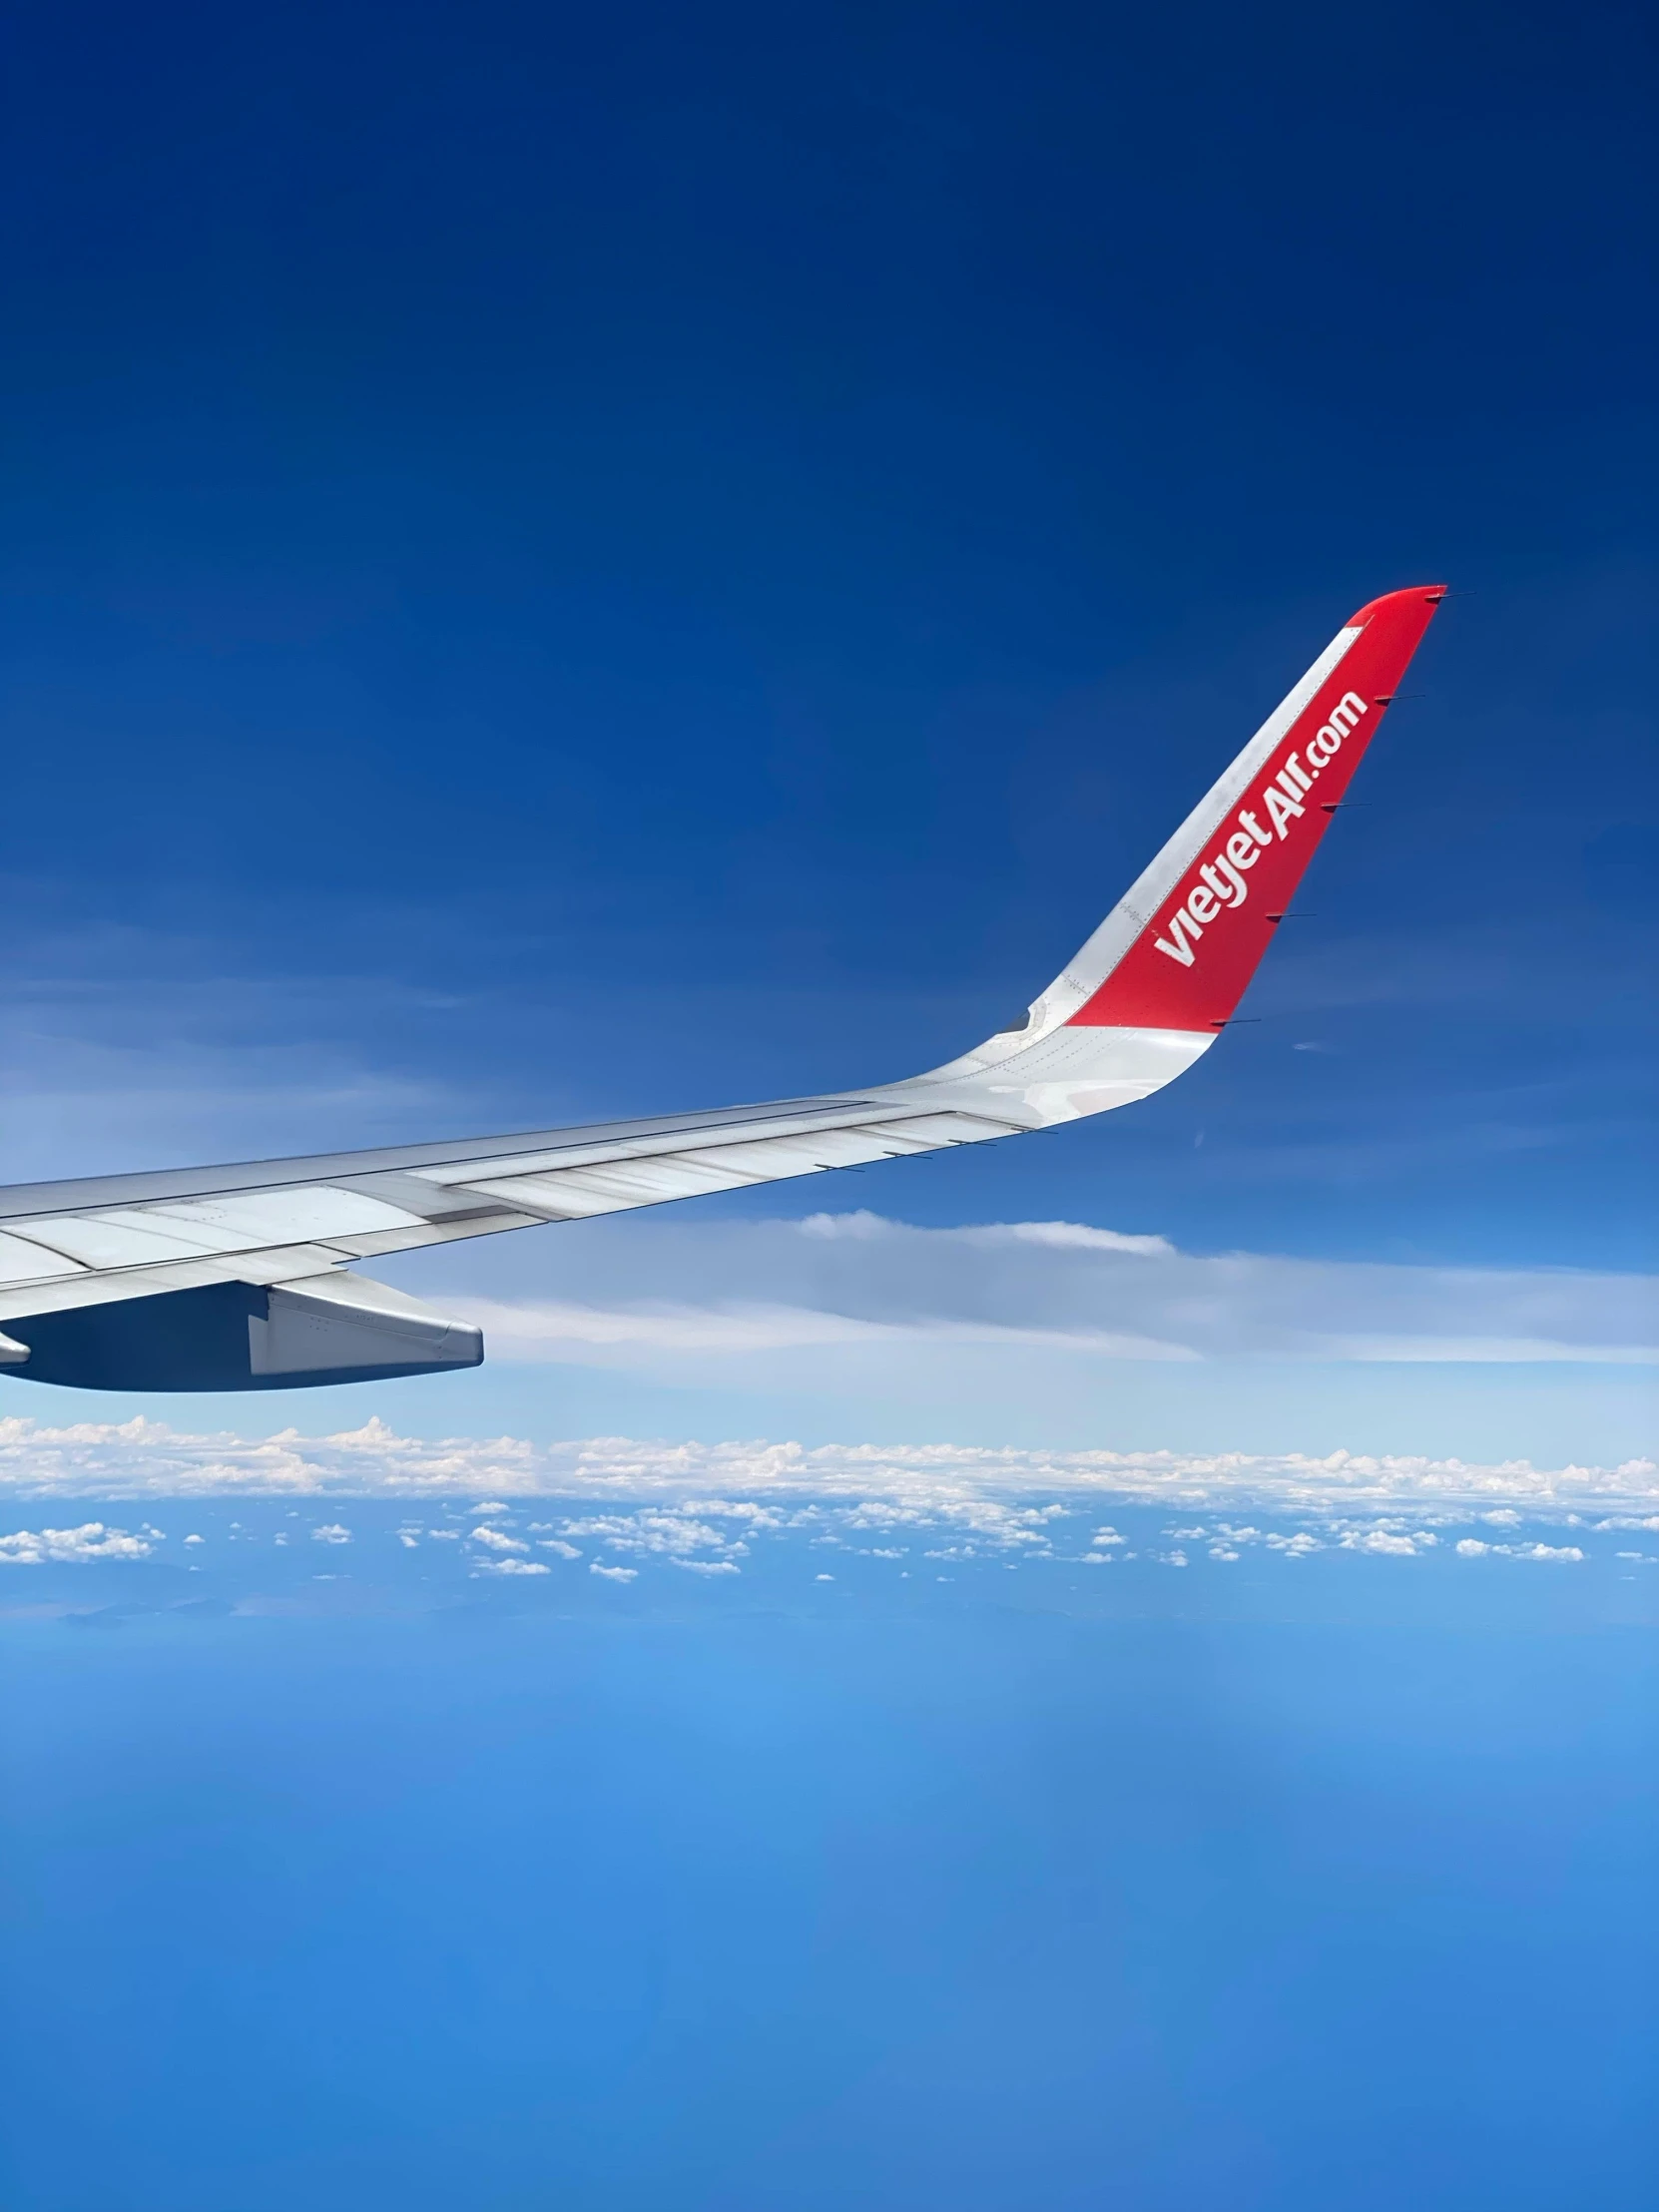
(557, 568)
(559, 565)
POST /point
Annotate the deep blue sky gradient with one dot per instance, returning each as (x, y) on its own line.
(561, 564)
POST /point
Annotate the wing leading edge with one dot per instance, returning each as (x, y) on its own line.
(235, 1276)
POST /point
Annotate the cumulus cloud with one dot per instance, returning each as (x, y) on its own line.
(683, 1538)
(331, 1532)
(713, 1536)
(996, 1497)
(34, 1548)
(495, 1541)
(1386, 1541)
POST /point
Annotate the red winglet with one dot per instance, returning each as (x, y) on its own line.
(1190, 965)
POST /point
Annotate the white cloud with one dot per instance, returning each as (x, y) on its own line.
(565, 1332)
(1472, 1547)
(866, 1228)
(615, 1574)
(495, 1541)
(511, 1567)
(331, 1532)
(32, 1547)
(861, 1288)
(669, 1532)
(1385, 1542)
(1068, 1236)
(558, 1544)
(996, 1497)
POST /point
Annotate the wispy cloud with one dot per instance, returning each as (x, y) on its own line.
(859, 1283)
(864, 1227)
(560, 1331)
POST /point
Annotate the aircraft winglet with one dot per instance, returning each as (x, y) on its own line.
(1180, 947)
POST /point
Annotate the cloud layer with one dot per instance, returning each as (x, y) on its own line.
(142, 1458)
(744, 1291)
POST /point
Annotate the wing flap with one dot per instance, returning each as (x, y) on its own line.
(595, 1148)
(244, 1223)
(89, 1286)
(579, 1193)
(105, 1286)
(24, 1262)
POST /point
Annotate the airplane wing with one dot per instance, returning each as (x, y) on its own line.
(236, 1277)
